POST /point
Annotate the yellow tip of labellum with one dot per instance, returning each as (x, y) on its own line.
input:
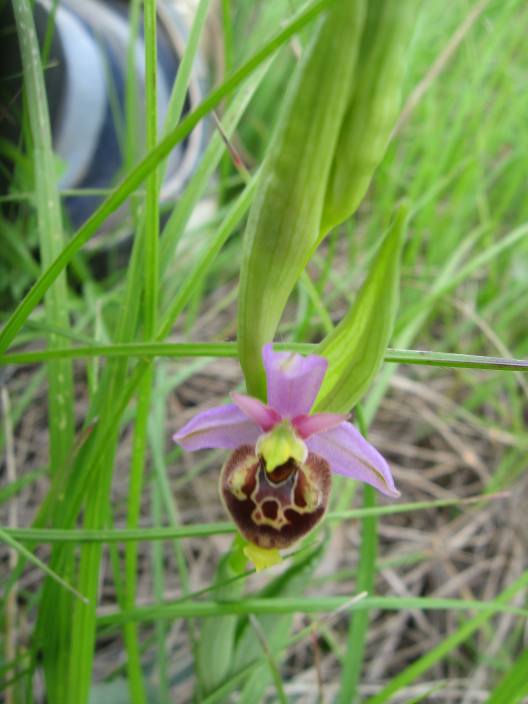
(262, 558)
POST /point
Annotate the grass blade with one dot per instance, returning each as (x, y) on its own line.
(147, 350)
(357, 630)
(51, 239)
(22, 550)
(138, 174)
(445, 646)
(514, 685)
(308, 605)
(200, 530)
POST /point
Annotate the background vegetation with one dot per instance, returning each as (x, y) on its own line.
(97, 378)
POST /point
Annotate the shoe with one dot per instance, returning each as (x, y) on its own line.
(88, 91)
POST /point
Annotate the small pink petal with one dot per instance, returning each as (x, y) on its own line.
(348, 453)
(293, 380)
(264, 416)
(318, 423)
(223, 426)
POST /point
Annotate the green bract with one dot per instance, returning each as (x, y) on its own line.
(332, 133)
(355, 349)
(373, 107)
(284, 222)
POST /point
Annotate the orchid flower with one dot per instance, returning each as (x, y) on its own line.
(276, 483)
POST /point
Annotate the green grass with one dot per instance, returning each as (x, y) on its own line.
(105, 370)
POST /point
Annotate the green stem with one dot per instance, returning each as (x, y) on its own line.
(357, 632)
(135, 674)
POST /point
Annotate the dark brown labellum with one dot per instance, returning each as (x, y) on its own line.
(274, 509)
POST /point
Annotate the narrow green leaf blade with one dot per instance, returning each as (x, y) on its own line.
(357, 629)
(372, 108)
(22, 550)
(284, 221)
(289, 605)
(356, 348)
(215, 649)
(50, 233)
(147, 350)
(514, 685)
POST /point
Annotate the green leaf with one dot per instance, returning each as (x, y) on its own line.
(147, 350)
(289, 605)
(356, 348)
(22, 550)
(373, 107)
(514, 685)
(201, 530)
(50, 232)
(365, 582)
(215, 649)
(284, 221)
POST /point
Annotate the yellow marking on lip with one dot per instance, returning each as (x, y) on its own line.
(258, 516)
(311, 495)
(236, 482)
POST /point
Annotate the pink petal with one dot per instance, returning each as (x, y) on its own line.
(264, 416)
(223, 426)
(348, 453)
(293, 380)
(318, 423)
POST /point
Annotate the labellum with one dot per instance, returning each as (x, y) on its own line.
(274, 509)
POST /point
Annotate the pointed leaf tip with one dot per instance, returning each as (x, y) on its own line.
(355, 349)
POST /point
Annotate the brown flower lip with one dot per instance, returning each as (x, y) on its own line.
(274, 509)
